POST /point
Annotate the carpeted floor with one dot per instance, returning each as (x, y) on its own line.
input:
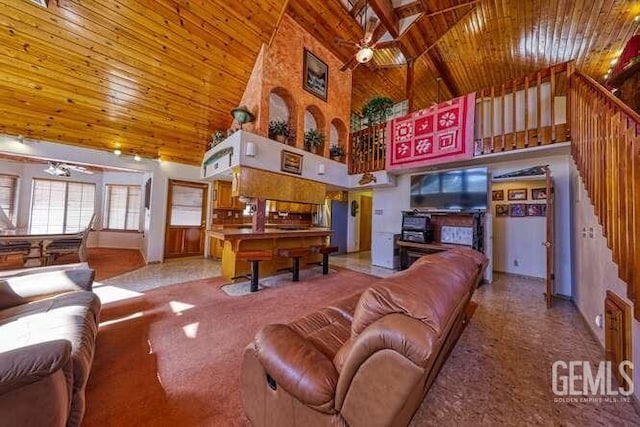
(172, 356)
(106, 262)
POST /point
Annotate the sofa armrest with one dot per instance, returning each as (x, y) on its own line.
(297, 365)
(25, 288)
(406, 336)
(29, 364)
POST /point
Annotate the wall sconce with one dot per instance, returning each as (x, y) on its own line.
(250, 149)
(320, 168)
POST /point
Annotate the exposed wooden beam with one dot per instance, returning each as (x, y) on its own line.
(384, 10)
(409, 9)
(449, 9)
(357, 8)
(409, 85)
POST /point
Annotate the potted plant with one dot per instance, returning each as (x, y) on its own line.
(279, 130)
(216, 138)
(313, 138)
(377, 110)
(336, 152)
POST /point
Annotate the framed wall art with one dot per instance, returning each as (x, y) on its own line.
(315, 75)
(517, 210)
(538, 194)
(291, 162)
(497, 195)
(502, 210)
(517, 194)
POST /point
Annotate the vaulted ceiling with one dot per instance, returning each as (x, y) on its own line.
(156, 77)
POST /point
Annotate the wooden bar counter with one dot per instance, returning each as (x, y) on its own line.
(239, 239)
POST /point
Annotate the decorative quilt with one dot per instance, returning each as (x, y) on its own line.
(438, 134)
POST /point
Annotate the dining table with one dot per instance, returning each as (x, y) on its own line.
(37, 240)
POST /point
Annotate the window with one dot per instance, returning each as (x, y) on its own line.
(61, 207)
(186, 204)
(122, 207)
(8, 192)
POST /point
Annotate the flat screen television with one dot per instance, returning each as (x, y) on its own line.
(458, 190)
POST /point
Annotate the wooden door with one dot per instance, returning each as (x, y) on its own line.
(365, 222)
(549, 243)
(186, 216)
(617, 334)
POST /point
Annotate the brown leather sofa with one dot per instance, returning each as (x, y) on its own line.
(48, 327)
(367, 360)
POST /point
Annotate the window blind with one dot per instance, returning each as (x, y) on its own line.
(122, 207)
(60, 206)
(8, 192)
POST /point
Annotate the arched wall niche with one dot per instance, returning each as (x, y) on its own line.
(338, 133)
(282, 106)
(314, 119)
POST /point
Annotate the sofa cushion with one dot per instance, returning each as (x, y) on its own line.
(326, 329)
(432, 290)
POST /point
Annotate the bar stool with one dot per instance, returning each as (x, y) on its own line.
(325, 251)
(295, 254)
(254, 258)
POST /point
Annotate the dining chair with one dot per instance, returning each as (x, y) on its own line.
(72, 245)
(14, 248)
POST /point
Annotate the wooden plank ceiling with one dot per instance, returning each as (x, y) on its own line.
(156, 77)
(152, 77)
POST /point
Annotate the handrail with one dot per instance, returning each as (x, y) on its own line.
(610, 97)
(606, 149)
(367, 149)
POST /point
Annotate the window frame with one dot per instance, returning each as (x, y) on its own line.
(107, 205)
(13, 213)
(66, 200)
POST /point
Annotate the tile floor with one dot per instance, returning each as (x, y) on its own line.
(499, 373)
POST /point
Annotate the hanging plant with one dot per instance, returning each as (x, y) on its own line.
(377, 110)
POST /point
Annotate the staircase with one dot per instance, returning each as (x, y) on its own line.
(605, 145)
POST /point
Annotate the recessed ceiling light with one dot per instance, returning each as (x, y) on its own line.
(117, 151)
(137, 158)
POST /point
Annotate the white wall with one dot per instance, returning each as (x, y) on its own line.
(154, 218)
(593, 279)
(519, 240)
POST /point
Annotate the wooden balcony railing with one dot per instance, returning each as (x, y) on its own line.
(367, 149)
(525, 112)
(606, 148)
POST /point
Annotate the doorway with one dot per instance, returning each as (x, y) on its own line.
(523, 228)
(366, 213)
(186, 219)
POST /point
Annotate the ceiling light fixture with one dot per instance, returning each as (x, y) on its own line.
(117, 152)
(137, 158)
(364, 55)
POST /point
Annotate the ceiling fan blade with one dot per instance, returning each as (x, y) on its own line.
(338, 40)
(370, 27)
(350, 64)
(80, 169)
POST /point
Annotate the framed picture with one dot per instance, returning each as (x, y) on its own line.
(147, 194)
(517, 210)
(315, 75)
(537, 209)
(291, 162)
(502, 210)
(497, 195)
(517, 194)
(538, 194)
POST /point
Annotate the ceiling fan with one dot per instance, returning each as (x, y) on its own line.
(366, 46)
(64, 169)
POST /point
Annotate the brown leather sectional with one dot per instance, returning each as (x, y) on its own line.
(367, 360)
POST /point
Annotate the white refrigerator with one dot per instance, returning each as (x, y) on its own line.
(383, 250)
